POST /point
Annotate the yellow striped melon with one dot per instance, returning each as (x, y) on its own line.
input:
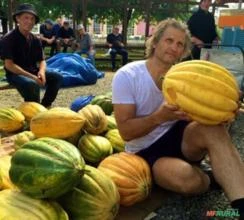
(30, 109)
(11, 120)
(15, 205)
(57, 123)
(206, 91)
(96, 120)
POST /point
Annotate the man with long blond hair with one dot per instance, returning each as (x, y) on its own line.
(164, 135)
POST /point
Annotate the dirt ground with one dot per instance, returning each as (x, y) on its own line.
(11, 98)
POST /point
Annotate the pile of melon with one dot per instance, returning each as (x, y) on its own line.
(67, 164)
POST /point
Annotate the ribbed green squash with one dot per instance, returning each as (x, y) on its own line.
(46, 167)
(116, 140)
(94, 148)
(104, 102)
(95, 198)
(111, 122)
(16, 205)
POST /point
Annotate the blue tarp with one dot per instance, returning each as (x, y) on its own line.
(75, 69)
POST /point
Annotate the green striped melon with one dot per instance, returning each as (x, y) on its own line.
(46, 167)
(94, 148)
(96, 197)
(111, 122)
(116, 140)
(15, 205)
(105, 102)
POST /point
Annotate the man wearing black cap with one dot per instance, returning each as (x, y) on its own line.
(24, 59)
(47, 36)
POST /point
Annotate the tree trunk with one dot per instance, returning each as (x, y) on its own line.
(84, 13)
(125, 22)
(74, 12)
(147, 19)
(11, 9)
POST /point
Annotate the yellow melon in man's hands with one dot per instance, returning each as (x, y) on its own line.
(207, 91)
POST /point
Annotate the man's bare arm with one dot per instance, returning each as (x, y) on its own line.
(14, 68)
(131, 127)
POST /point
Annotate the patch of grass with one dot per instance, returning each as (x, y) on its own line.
(2, 73)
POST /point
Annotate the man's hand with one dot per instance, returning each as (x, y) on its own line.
(167, 112)
(66, 40)
(41, 78)
(197, 42)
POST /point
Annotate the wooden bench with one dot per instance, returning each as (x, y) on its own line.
(103, 60)
(129, 46)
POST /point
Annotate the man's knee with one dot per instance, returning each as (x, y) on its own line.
(54, 77)
(193, 183)
(31, 91)
(113, 53)
(204, 135)
(180, 176)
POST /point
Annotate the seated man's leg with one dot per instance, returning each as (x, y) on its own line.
(53, 48)
(27, 87)
(180, 176)
(59, 45)
(123, 52)
(170, 168)
(227, 165)
(75, 47)
(70, 44)
(113, 53)
(53, 84)
(44, 44)
(88, 54)
(65, 47)
(91, 56)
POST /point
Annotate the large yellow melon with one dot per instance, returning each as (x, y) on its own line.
(5, 182)
(11, 120)
(207, 91)
(30, 109)
(57, 123)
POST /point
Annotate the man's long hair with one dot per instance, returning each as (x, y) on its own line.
(159, 31)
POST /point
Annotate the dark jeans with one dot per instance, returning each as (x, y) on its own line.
(121, 52)
(53, 47)
(62, 43)
(30, 90)
(90, 55)
(196, 53)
